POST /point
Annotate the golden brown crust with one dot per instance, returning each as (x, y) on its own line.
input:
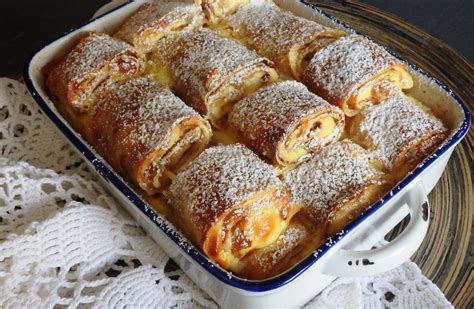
(288, 40)
(145, 14)
(95, 62)
(211, 73)
(143, 131)
(346, 72)
(285, 122)
(398, 132)
(230, 203)
(339, 179)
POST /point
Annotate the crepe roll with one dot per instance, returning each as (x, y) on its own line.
(95, 62)
(399, 132)
(211, 73)
(288, 40)
(336, 185)
(286, 122)
(146, 133)
(152, 22)
(346, 72)
(229, 203)
(216, 10)
(290, 247)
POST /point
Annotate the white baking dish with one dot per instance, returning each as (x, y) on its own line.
(348, 254)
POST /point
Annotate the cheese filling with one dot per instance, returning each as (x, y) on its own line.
(397, 76)
(81, 90)
(184, 148)
(145, 39)
(222, 101)
(223, 8)
(184, 143)
(300, 57)
(310, 133)
(253, 224)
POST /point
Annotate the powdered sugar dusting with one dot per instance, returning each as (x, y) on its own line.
(287, 241)
(332, 175)
(201, 60)
(148, 13)
(272, 32)
(145, 111)
(219, 178)
(92, 51)
(339, 68)
(394, 124)
(267, 258)
(266, 116)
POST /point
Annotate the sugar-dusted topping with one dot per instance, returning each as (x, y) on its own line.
(145, 110)
(148, 13)
(271, 112)
(266, 259)
(219, 178)
(330, 177)
(341, 67)
(394, 124)
(288, 241)
(92, 51)
(233, 94)
(271, 31)
(201, 60)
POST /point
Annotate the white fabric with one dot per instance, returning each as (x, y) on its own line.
(65, 241)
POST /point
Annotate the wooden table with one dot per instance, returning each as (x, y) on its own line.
(445, 256)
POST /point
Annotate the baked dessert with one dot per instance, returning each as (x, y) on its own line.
(336, 185)
(288, 40)
(229, 202)
(95, 62)
(138, 107)
(153, 21)
(211, 73)
(146, 133)
(398, 131)
(346, 71)
(285, 122)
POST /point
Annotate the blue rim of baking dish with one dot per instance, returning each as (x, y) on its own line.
(222, 275)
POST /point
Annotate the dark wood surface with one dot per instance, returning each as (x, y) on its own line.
(446, 254)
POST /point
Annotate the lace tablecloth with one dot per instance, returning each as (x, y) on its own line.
(65, 241)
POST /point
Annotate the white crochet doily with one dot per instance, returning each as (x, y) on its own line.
(65, 241)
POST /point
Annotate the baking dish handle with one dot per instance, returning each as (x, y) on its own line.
(353, 263)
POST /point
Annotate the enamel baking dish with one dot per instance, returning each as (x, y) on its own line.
(347, 254)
